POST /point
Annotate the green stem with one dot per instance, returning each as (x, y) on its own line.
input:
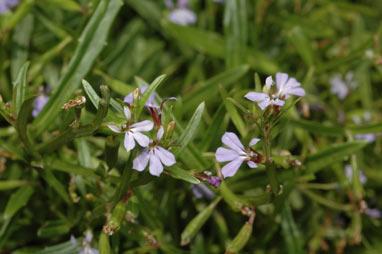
(271, 168)
(125, 180)
(357, 186)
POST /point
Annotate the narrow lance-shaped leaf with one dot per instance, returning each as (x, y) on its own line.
(290, 232)
(91, 42)
(19, 87)
(146, 95)
(182, 174)
(331, 154)
(191, 129)
(196, 223)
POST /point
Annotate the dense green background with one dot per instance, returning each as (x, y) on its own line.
(123, 43)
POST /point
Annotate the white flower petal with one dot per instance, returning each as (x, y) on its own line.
(264, 104)
(281, 79)
(182, 17)
(166, 157)
(298, 91)
(142, 139)
(231, 168)
(253, 96)
(278, 102)
(89, 236)
(223, 154)
(254, 141)
(129, 98)
(129, 142)
(127, 112)
(268, 83)
(114, 128)
(145, 125)
(140, 162)
(251, 164)
(160, 133)
(156, 167)
(231, 140)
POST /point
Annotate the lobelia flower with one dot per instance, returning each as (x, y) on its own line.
(202, 191)
(5, 5)
(181, 15)
(368, 137)
(39, 104)
(237, 154)
(157, 156)
(374, 213)
(133, 132)
(86, 244)
(150, 103)
(342, 87)
(275, 96)
(349, 174)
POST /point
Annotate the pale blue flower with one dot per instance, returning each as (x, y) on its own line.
(349, 174)
(202, 191)
(150, 103)
(285, 87)
(133, 132)
(236, 155)
(181, 15)
(39, 104)
(86, 244)
(342, 87)
(157, 156)
(5, 5)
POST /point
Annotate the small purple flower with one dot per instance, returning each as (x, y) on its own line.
(342, 87)
(236, 154)
(133, 132)
(368, 137)
(181, 15)
(5, 5)
(157, 156)
(374, 213)
(150, 103)
(202, 191)
(349, 174)
(86, 244)
(39, 104)
(284, 89)
(214, 181)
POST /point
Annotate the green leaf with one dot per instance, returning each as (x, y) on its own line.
(214, 128)
(55, 164)
(191, 129)
(17, 200)
(331, 154)
(21, 127)
(21, 11)
(11, 184)
(55, 184)
(95, 99)
(69, 5)
(202, 40)
(209, 88)
(233, 114)
(53, 229)
(91, 43)
(302, 44)
(19, 87)
(236, 32)
(364, 129)
(290, 232)
(182, 174)
(319, 128)
(241, 239)
(145, 96)
(62, 248)
(197, 223)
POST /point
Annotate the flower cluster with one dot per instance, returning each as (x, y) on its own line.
(154, 152)
(275, 95)
(5, 5)
(342, 87)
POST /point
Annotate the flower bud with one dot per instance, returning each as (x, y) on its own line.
(242, 237)
(116, 218)
(170, 130)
